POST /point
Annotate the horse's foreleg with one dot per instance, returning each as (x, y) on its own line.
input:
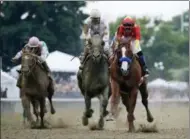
(115, 98)
(24, 110)
(35, 105)
(131, 108)
(27, 113)
(52, 109)
(88, 111)
(144, 96)
(103, 98)
(42, 105)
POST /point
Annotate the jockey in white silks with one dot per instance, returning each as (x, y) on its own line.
(94, 24)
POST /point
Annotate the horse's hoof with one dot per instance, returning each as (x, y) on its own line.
(42, 126)
(131, 130)
(84, 121)
(89, 113)
(37, 121)
(101, 124)
(150, 119)
(33, 125)
(53, 111)
(106, 113)
(100, 128)
(110, 117)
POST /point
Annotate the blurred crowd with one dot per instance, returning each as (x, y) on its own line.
(66, 87)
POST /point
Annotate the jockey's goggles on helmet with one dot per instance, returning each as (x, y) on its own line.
(96, 20)
(128, 24)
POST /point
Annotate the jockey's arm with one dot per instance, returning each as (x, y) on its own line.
(137, 35)
(44, 53)
(119, 35)
(19, 54)
(106, 36)
(85, 28)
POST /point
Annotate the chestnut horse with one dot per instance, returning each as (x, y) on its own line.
(126, 80)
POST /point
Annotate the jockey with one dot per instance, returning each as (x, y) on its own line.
(130, 29)
(32, 43)
(94, 24)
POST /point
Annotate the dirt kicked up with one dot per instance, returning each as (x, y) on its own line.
(171, 122)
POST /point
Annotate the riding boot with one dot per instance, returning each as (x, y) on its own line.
(143, 64)
(47, 69)
(18, 84)
(19, 81)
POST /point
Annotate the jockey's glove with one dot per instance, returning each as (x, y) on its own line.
(82, 36)
(14, 59)
(87, 37)
(40, 59)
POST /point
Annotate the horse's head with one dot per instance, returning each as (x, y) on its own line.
(28, 63)
(125, 55)
(96, 47)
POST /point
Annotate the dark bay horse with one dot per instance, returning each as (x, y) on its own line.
(94, 80)
(126, 80)
(34, 85)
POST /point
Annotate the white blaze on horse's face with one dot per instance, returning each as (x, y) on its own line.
(124, 64)
(26, 57)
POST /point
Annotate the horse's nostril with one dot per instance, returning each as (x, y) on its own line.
(122, 70)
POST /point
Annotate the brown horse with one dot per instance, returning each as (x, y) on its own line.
(35, 83)
(126, 80)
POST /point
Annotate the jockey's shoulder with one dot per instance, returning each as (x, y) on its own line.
(121, 26)
(137, 26)
(87, 21)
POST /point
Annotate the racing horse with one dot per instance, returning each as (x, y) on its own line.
(34, 85)
(93, 81)
(126, 80)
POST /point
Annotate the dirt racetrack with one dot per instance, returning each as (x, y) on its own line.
(171, 121)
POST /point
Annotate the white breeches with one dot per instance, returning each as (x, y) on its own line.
(135, 49)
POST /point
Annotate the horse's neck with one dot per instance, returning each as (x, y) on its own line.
(134, 61)
(38, 72)
(95, 66)
(135, 71)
